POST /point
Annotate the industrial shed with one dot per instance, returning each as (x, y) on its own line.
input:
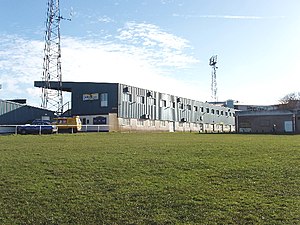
(121, 107)
(268, 121)
(14, 113)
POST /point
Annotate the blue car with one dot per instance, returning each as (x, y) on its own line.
(37, 127)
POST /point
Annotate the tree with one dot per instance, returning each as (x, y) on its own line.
(290, 101)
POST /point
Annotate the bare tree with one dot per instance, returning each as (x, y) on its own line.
(290, 101)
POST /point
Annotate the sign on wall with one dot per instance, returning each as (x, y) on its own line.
(288, 126)
(90, 97)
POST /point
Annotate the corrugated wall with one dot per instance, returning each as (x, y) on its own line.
(160, 106)
(6, 106)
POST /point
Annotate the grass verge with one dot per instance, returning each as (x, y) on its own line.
(141, 178)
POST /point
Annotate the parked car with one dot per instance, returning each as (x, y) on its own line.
(38, 127)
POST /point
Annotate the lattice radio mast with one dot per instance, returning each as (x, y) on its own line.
(212, 63)
(52, 95)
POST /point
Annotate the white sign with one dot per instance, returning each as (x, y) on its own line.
(90, 97)
(288, 126)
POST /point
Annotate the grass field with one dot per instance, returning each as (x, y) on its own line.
(140, 178)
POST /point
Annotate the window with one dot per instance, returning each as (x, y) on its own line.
(163, 103)
(218, 112)
(152, 101)
(149, 94)
(207, 110)
(195, 108)
(126, 122)
(104, 99)
(152, 123)
(99, 120)
(181, 106)
(189, 107)
(141, 99)
(127, 97)
(212, 111)
(162, 123)
(140, 122)
(173, 105)
(126, 89)
(62, 121)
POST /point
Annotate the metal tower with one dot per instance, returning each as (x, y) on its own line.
(52, 77)
(212, 63)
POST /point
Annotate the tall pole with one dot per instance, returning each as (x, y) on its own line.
(212, 63)
(52, 76)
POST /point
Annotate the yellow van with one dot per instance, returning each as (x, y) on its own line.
(68, 124)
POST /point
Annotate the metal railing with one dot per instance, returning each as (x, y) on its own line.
(13, 129)
(95, 128)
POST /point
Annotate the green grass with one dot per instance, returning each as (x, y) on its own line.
(141, 178)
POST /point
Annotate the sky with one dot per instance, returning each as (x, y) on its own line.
(161, 45)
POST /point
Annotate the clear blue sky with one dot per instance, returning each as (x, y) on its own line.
(162, 45)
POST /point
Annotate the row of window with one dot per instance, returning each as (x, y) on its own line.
(163, 103)
(127, 97)
(198, 108)
(162, 123)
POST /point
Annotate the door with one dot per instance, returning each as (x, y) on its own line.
(288, 126)
(171, 126)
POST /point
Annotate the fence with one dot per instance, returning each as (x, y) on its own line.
(13, 129)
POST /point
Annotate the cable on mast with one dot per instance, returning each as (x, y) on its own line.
(212, 63)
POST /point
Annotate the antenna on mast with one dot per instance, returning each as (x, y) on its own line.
(212, 63)
(52, 76)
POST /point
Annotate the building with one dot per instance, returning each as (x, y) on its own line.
(120, 107)
(14, 113)
(268, 121)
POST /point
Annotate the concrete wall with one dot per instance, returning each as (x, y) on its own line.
(126, 124)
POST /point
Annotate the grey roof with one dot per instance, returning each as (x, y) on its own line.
(264, 113)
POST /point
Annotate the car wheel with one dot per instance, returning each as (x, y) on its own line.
(23, 132)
